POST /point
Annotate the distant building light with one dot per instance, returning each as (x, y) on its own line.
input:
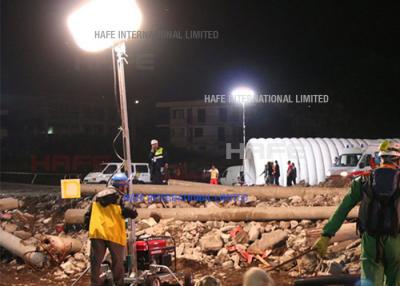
(50, 130)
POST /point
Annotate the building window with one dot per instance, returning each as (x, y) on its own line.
(201, 115)
(221, 133)
(223, 115)
(198, 132)
(177, 114)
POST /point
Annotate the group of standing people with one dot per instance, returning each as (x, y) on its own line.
(272, 173)
(291, 174)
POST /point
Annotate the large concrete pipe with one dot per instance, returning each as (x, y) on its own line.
(14, 245)
(76, 216)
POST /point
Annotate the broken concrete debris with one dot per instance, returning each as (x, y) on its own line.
(218, 235)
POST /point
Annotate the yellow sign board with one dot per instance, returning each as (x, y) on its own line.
(70, 189)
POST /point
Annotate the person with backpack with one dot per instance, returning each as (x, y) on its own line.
(378, 222)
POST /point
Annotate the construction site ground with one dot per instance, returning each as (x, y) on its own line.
(40, 200)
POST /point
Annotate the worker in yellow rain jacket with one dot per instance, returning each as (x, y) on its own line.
(106, 217)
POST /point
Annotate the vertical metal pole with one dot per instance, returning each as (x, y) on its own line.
(244, 140)
(120, 50)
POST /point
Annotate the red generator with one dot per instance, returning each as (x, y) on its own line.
(155, 257)
(155, 250)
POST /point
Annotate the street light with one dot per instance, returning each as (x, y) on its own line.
(97, 26)
(243, 95)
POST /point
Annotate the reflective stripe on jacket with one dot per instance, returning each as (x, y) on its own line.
(159, 154)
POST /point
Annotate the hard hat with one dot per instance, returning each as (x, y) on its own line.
(119, 180)
(154, 141)
(389, 148)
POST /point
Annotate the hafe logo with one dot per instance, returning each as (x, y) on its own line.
(65, 163)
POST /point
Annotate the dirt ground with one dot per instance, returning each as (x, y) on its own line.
(55, 207)
(30, 277)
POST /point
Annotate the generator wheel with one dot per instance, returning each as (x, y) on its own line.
(188, 280)
(152, 281)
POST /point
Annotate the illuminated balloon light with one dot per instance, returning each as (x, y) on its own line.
(97, 25)
(242, 94)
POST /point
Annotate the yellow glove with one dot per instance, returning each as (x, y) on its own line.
(321, 245)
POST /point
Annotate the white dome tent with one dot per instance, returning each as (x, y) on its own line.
(312, 156)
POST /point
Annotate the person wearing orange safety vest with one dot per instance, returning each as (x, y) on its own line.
(106, 219)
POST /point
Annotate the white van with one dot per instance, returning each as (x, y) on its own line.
(354, 161)
(140, 173)
(231, 176)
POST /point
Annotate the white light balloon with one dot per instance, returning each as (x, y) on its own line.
(97, 25)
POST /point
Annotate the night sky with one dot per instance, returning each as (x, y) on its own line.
(346, 49)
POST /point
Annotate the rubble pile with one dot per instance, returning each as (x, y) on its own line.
(249, 201)
(38, 224)
(233, 245)
(217, 245)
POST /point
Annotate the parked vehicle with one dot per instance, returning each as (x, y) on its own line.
(140, 173)
(355, 161)
(232, 176)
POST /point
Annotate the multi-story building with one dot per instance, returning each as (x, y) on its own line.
(61, 115)
(200, 126)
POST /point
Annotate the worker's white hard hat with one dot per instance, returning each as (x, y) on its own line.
(154, 141)
(389, 148)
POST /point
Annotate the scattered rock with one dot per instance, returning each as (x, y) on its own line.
(79, 257)
(335, 268)
(10, 227)
(293, 224)
(254, 232)
(267, 241)
(211, 241)
(227, 264)
(211, 205)
(308, 263)
(295, 199)
(284, 225)
(47, 220)
(251, 199)
(150, 221)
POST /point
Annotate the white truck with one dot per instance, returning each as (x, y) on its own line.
(355, 161)
(140, 173)
(231, 176)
